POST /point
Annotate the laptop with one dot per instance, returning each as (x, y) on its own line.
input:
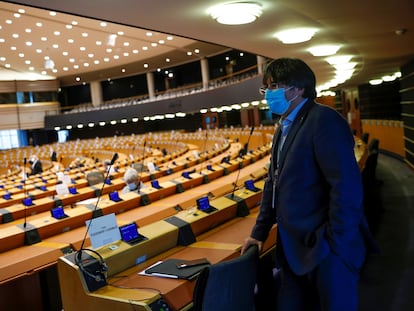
(7, 196)
(203, 204)
(130, 235)
(73, 190)
(114, 196)
(58, 212)
(155, 184)
(250, 185)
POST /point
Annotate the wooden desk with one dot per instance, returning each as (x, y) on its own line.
(126, 285)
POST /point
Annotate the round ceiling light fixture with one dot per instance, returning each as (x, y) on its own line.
(295, 35)
(236, 13)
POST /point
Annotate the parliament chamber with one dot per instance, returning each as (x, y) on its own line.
(38, 249)
(193, 126)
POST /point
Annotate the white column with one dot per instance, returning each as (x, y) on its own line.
(261, 63)
(150, 84)
(205, 75)
(96, 93)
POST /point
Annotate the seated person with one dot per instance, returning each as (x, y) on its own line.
(110, 170)
(36, 165)
(132, 180)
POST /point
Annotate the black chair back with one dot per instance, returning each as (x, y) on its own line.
(228, 285)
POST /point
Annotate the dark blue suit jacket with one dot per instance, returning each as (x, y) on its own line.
(315, 195)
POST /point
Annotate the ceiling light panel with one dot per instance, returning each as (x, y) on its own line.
(51, 33)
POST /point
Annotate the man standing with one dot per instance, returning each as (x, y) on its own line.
(314, 194)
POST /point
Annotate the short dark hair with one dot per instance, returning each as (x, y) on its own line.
(292, 72)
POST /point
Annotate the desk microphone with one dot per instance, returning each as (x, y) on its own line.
(94, 272)
(115, 156)
(25, 192)
(141, 169)
(240, 166)
(203, 150)
(31, 235)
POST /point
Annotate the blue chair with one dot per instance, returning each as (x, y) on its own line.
(229, 285)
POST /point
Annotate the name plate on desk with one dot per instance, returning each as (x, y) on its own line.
(103, 230)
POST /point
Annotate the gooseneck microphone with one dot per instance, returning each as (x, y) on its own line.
(238, 172)
(114, 158)
(24, 191)
(141, 169)
(203, 150)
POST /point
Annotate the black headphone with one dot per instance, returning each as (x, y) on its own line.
(99, 273)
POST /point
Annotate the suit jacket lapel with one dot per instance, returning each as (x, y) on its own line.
(294, 128)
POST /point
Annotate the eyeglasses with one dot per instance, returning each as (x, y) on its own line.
(273, 86)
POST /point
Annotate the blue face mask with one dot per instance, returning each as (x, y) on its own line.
(276, 100)
(132, 186)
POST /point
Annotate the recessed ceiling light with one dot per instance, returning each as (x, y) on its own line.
(69, 26)
(120, 33)
(22, 11)
(52, 13)
(84, 34)
(340, 59)
(15, 35)
(146, 65)
(324, 50)
(236, 13)
(39, 24)
(8, 21)
(43, 39)
(74, 23)
(17, 15)
(295, 35)
(169, 38)
(148, 34)
(56, 33)
(71, 40)
(103, 24)
(375, 81)
(28, 30)
(38, 51)
(98, 42)
(145, 48)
